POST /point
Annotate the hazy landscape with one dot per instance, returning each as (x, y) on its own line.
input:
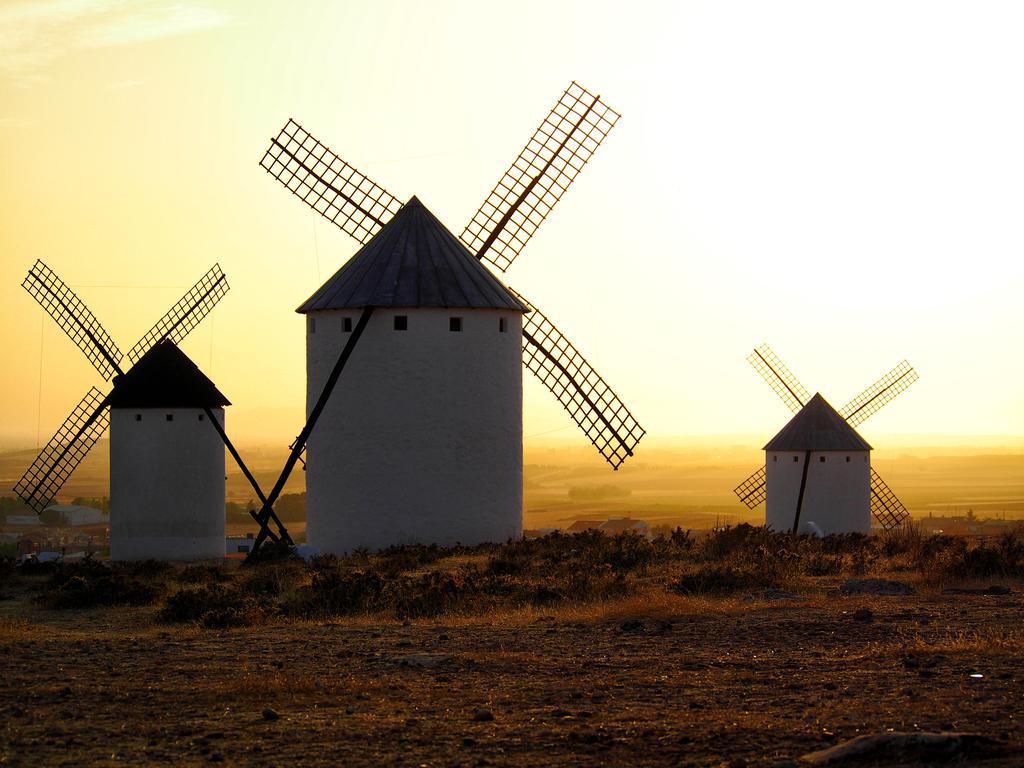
(687, 484)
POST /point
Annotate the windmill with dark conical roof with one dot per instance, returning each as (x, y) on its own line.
(166, 422)
(421, 440)
(817, 475)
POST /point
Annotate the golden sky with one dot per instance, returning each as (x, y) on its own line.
(842, 180)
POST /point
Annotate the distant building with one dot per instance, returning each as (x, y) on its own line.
(76, 514)
(22, 520)
(584, 525)
(612, 526)
(967, 525)
(239, 545)
(616, 525)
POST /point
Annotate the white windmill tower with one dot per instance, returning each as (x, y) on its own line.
(423, 439)
(817, 475)
(166, 429)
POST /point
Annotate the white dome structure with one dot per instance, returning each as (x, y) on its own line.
(421, 440)
(818, 474)
(166, 462)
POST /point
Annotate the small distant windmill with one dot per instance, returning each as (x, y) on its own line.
(432, 444)
(818, 469)
(167, 466)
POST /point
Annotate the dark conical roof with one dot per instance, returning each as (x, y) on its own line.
(817, 427)
(414, 261)
(164, 377)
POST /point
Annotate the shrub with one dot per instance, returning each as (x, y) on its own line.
(204, 573)
(335, 592)
(214, 606)
(89, 584)
(722, 580)
(409, 557)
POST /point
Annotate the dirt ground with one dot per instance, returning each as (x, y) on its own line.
(688, 682)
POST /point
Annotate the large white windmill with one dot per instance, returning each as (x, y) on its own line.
(422, 440)
(817, 475)
(166, 429)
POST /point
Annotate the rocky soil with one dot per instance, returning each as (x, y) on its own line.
(689, 683)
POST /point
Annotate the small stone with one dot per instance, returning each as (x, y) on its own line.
(483, 716)
(270, 714)
(863, 614)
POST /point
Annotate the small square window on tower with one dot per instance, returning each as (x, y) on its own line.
(401, 322)
(502, 325)
(455, 324)
(847, 459)
(796, 459)
(346, 325)
(821, 459)
(170, 417)
(201, 417)
(138, 417)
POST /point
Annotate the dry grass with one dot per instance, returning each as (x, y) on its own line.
(581, 577)
(991, 641)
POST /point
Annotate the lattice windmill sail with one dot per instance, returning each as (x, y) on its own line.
(410, 261)
(851, 490)
(160, 378)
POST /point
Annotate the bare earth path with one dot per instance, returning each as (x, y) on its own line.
(728, 685)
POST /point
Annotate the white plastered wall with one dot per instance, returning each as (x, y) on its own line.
(837, 497)
(166, 484)
(422, 439)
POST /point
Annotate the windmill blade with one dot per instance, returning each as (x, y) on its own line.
(875, 397)
(65, 451)
(328, 184)
(186, 314)
(886, 508)
(553, 157)
(753, 490)
(593, 405)
(74, 318)
(779, 377)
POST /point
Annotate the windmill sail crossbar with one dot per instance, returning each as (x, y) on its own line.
(74, 318)
(779, 377)
(593, 405)
(327, 184)
(65, 451)
(875, 397)
(513, 211)
(186, 314)
(886, 507)
(753, 490)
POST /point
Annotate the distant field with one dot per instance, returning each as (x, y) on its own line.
(686, 486)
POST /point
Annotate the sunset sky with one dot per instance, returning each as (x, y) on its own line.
(842, 180)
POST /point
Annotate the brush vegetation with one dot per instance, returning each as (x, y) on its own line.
(558, 570)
